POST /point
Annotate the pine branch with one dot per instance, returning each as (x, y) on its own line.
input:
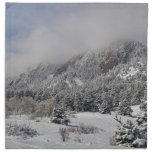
(118, 119)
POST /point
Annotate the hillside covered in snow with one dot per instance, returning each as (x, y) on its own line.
(79, 101)
(116, 72)
(76, 75)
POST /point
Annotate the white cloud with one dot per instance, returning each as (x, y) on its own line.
(90, 26)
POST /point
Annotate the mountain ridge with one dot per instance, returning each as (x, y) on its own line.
(87, 73)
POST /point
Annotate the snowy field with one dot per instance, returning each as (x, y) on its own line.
(49, 137)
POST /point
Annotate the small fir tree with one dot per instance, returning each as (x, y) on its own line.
(124, 108)
(131, 135)
(59, 116)
(143, 106)
(126, 134)
(104, 108)
(78, 105)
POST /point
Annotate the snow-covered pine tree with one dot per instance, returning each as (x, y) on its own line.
(104, 108)
(126, 134)
(67, 103)
(136, 99)
(59, 116)
(114, 95)
(124, 108)
(142, 126)
(88, 102)
(131, 135)
(98, 101)
(141, 141)
(116, 100)
(106, 105)
(143, 106)
(139, 92)
(94, 106)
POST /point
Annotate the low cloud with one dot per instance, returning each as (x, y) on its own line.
(68, 30)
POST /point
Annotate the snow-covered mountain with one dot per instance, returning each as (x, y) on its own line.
(114, 72)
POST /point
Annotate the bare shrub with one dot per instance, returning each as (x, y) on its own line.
(27, 105)
(20, 130)
(87, 129)
(77, 139)
(37, 120)
(71, 129)
(24, 105)
(44, 108)
(112, 141)
(64, 134)
(82, 129)
(32, 117)
(12, 106)
(71, 114)
(8, 110)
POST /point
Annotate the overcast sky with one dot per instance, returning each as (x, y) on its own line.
(54, 32)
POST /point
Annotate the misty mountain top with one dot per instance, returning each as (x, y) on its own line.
(57, 31)
(113, 47)
(82, 68)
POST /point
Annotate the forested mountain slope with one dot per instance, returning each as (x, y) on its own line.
(89, 80)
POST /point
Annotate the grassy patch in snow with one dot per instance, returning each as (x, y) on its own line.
(82, 129)
(20, 130)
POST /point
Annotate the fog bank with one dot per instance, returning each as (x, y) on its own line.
(55, 32)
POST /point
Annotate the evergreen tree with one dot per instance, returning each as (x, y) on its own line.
(143, 105)
(126, 134)
(104, 108)
(141, 141)
(124, 108)
(98, 99)
(88, 102)
(59, 116)
(136, 99)
(131, 135)
(142, 120)
(67, 103)
(106, 105)
(115, 100)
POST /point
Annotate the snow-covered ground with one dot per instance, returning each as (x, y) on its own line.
(68, 83)
(126, 74)
(49, 136)
(78, 82)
